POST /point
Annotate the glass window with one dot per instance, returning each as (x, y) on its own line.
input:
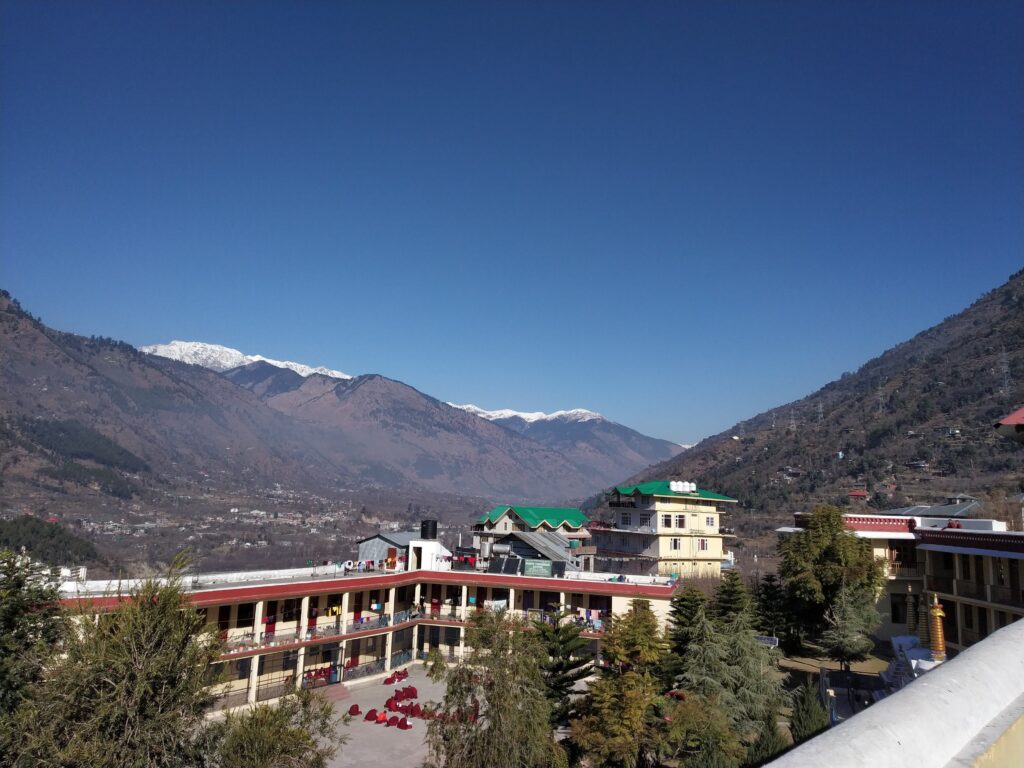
(666, 521)
(246, 614)
(645, 519)
(702, 544)
(676, 544)
(680, 521)
(627, 518)
(290, 609)
(223, 617)
(709, 521)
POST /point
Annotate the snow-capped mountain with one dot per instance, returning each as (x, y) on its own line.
(574, 414)
(219, 358)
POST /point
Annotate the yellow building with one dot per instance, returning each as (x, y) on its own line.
(664, 527)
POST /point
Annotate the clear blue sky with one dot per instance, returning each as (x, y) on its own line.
(678, 214)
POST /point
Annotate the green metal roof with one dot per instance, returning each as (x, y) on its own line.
(661, 488)
(534, 516)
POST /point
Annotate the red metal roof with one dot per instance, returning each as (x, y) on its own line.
(1017, 417)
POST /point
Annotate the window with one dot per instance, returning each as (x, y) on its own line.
(676, 544)
(246, 614)
(223, 617)
(290, 609)
(898, 609)
(627, 518)
(666, 521)
(702, 544)
(645, 520)
(709, 521)
(680, 521)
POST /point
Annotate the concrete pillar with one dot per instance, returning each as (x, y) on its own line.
(257, 622)
(417, 595)
(415, 639)
(511, 599)
(563, 603)
(462, 643)
(344, 610)
(303, 618)
(389, 604)
(464, 612)
(387, 650)
(300, 666)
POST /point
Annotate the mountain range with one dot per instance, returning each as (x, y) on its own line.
(913, 425)
(187, 414)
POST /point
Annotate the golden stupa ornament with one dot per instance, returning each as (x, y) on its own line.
(937, 635)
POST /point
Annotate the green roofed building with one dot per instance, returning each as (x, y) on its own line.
(504, 519)
(666, 528)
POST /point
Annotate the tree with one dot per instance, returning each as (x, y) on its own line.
(704, 669)
(495, 710)
(632, 640)
(682, 613)
(809, 716)
(300, 731)
(614, 727)
(850, 620)
(565, 665)
(819, 560)
(771, 616)
(31, 626)
(754, 683)
(699, 734)
(128, 691)
(770, 743)
(731, 598)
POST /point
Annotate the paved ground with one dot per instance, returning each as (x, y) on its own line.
(370, 744)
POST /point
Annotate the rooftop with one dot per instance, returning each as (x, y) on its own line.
(537, 516)
(661, 488)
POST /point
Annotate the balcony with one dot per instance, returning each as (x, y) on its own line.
(972, 589)
(941, 584)
(1007, 596)
(901, 571)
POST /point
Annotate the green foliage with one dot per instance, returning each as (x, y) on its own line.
(705, 669)
(754, 683)
(614, 728)
(128, 691)
(849, 621)
(699, 734)
(731, 598)
(73, 440)
(46, 542)
(300, 731)
(566, 663)
(771, 616)
(495, 710)
(769, 744)
(633, 640)
(809, 717)
(682, 613)
(105, 479)
(30, 627)
(818, 561)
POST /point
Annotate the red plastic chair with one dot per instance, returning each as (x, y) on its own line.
(354, 710)
(382, 717)
(371, 715)
(404, 724)
(393, 720)
(416, 710)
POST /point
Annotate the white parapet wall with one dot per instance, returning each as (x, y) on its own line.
(966, 712)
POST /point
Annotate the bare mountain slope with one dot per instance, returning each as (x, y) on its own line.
(912, 424)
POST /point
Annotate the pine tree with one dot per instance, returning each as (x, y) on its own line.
(770, 599)
(682, 613)
(704, 669)
(632, 640)
(495, 710)
(754, 682)
(31, 625)
(809, 716)
(128, 691)
(614, 728)
(849, 621)
(698, 734)
(731, 599)
(769, 744)
(566, 664)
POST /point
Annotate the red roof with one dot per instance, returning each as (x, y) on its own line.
(1017, 417)
(858, 494)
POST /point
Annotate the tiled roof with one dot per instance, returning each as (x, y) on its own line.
(661, 488)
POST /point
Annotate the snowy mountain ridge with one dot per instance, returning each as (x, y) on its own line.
(219, 358)
(574, 414)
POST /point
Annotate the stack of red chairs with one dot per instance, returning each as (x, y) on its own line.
(371, 715)
(353, 711)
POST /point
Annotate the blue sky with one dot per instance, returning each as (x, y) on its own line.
(677, 214)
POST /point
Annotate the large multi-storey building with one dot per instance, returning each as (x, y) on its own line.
(312, 627)
(663, 527)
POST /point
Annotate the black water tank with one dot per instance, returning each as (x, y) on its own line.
(428, 530)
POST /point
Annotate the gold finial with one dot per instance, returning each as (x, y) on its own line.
(938, 638)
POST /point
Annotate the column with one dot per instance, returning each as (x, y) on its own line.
(303, 618)
(300, 666)
(344, 610)
(511, 599)
(387, 649)
(257, 620)
(462, 643)
(415, 639)
(465, 603)
(417, 595)
(389, 605)
(562, 604)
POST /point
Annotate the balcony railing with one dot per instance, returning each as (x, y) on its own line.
(901, 571)
(400, 658)
(1007, 596)
(275, 690)
(240, 642)
(968, 636)
(967, 588)
(283, 637)
(363, 670)
(941, 584)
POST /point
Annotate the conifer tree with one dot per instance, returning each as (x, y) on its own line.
(698, 734)
(849, 622)
(731, 599)
(771, 618)
(615, 728)
(682, 613)
(769, 744)
(566, 664)
(809, 716)
(632, 640)
(704, 669)
(754, 682)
